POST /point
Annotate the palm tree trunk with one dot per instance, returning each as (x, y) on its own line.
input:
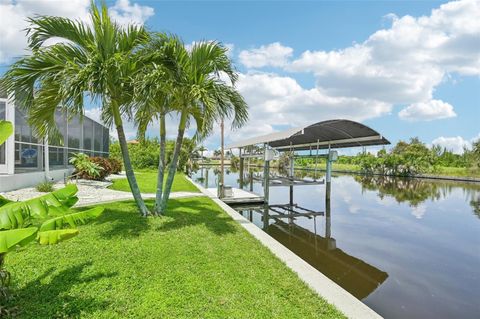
(132, 181)
(173, 165)
(161, 165)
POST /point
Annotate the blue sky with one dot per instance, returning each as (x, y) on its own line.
(307, 61)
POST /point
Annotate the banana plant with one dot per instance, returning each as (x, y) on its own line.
(50, 215)
(6, 129)
(48, 219)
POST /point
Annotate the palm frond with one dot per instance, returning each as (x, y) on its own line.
(44, 28)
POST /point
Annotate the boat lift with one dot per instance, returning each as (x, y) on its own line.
(306, 141)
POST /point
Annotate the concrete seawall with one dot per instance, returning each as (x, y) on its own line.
(317, 281)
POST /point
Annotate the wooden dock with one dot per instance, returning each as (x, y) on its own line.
(239, 197)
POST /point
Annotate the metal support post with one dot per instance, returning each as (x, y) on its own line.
(266, 180)
(266, 176)
(241, 168)
(292, 172)
(328, 176)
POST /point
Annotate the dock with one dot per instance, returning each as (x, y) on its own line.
(239, 197)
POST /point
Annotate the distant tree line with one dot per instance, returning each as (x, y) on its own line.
(144, 154)
(409, 158)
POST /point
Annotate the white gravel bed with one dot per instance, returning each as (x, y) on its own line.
(89, 192)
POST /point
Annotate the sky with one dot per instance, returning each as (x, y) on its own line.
(404, 68)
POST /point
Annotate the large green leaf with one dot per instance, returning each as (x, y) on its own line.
(52, 237)
(73, 219)
(6, 129)
(11, 238)
(13, 215)
(4, 201)
(66, 196)
(16, 214)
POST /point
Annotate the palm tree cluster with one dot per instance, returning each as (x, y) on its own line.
(138, 75)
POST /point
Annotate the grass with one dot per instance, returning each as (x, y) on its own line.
(195, 262)
(456, 171)
(45, 187)
(336, 167)
(147, 181)
(438, 171)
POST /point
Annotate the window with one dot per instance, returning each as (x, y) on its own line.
(74, 132)
(87, 133)
(106, 139)
(98, 140)
(61, 123)
(28, 157)
(23, 132)
(56, 156)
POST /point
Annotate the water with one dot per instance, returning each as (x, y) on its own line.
(407, 248)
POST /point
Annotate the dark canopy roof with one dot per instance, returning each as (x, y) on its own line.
(332, 133)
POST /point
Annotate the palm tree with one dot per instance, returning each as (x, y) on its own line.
(95, 60)
(202, 149)
(153, 86)
(151, 98)
(198, 92)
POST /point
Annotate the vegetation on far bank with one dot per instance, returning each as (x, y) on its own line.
(144, 154)
(404, 159)
(436, 171)
(147, 182)
(193, 262)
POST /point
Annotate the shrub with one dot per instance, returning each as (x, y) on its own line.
(84, 168)
(116, 165)
(105, 164)
(145, 154)
(45, 187)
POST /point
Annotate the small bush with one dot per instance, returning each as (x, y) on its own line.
(45, 187)
(96, 168)
(105, 164)
(116, 165)
(84, 168)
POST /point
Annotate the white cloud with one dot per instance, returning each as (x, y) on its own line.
(13, 15)
(427, 111)
(455, 144)
(282, 101)
(274, 54)
(124, 12)
(404, 63)
(419, 211)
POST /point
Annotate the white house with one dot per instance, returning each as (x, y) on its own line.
(26, 160)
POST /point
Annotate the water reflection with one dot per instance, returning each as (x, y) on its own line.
(415, 191)
(409, 248)
(412, 191)
(353, 274)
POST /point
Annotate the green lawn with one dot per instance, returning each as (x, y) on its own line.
(195, 262)
(147, 181)
(439, 171)
(456, 171)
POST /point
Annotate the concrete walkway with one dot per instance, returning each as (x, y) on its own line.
(90, 192)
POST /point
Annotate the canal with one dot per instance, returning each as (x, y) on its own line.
(408, 248)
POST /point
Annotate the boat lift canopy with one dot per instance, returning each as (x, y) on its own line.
(321, 135)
